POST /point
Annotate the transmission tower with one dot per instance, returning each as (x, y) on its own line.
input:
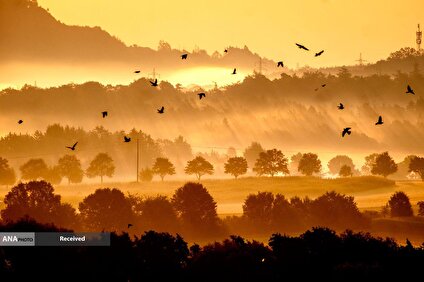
(418, 39)
(360, 60)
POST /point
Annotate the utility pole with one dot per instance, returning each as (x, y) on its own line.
(418, 39)
(138, 157)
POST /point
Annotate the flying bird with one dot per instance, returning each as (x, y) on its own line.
(323, 85)
(73, 146)
(302, 47)
(20, 121)
(226, 51)
(346, 130)
(201, 95)
(340, 106)
(127, 139)
(137, 71)
(184, 56)
(280, 64)
(234, 71)
(154, 83)
(161, 110)
(409, 90)
(129, 225)
(380, 121)
(319, 53)
(104, 114)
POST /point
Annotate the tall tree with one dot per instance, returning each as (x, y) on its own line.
(309, 164)
(236, 166)
(7, 174)
(163, 167)
(34, 169)
(70, 167)
(271, 162)
(102, 165)
(199, 166)
(384, 165)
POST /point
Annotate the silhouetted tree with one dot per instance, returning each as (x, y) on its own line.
(163, 167)
(33, 169)
(196, 208)
(309, 164)
(199, 166)
(236, 166)
(345, 171)
(146, 174)
(101, 165)
(384, 165)
(417, 165)
(155, 213)
(420, 205)
(337, 211)
(271, 162)
(70, 167)
(7, 174)
(257, 208)
(251, 153)
(106, 209)
(400, 205)
(37, 200)
(336, 163)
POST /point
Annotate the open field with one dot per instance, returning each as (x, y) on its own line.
(370, 193)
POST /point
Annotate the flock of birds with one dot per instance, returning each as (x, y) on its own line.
(154, 83)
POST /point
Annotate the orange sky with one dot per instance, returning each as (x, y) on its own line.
(344, 28)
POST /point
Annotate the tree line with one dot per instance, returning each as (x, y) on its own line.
(265, 163)
(192, 211)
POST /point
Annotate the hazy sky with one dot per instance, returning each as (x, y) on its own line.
(344, 28)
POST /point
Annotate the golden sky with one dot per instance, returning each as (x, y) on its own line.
(343, 28)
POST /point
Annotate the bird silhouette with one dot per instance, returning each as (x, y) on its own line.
(409, 90)
(20, 121)
(323, 85)
(340, 106)
(184, 56)
(154, 83)
(346, 131)
(73, 146)
(104, 114)
(380, 121)
(161, 110)
(234, 71)
(226, 51)
(302, 47)
(319, 53)
(129, 225)
(127, 139)
(137, 71)
(280, 64)
(201, 95)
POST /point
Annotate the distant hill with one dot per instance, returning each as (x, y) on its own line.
(30, 33)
